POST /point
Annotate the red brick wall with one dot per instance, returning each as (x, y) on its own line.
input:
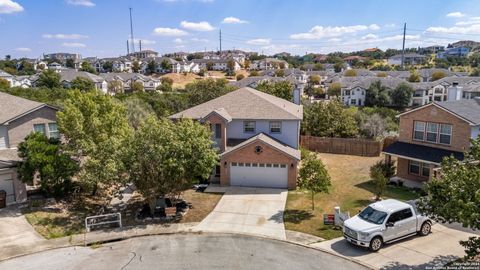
(402, 171)
(215, 119)
(248, 155)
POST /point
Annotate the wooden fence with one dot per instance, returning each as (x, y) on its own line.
(346, 146)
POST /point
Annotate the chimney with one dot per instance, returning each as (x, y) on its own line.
(454, 92)
(297, 93)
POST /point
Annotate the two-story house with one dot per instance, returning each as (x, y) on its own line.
(257, 136)
(430, 133)
(18, 118)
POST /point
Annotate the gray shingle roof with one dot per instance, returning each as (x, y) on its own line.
(247, 103)
(295, 153)
(69, 75)
(13, 106)
(466, 108)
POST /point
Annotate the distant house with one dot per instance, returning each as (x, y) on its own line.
(68, 75)
(454, 52)
(430, 133)
(127, 79)
(55, 66)
(409, 59)
(143, 54)
(354, 58)
(18, 118)
(6, 76)
(216, 64)
(63, 57)
(354, 89)
(269, 63)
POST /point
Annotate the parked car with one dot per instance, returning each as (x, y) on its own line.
(385, 221)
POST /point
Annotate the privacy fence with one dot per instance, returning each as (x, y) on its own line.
(346, 146)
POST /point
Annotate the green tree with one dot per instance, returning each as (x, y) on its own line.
(107, 66)
(166, 158)
(437, 75)
(240, 77)
(70, 63)
(87, 67)
(115, 87)
(382, 74)
(350, 73)
(318, 67)
(313, 176)
(49, 79)
(334, 89)
(246, 64)
(253, 73)
(379, 180)
(26, 68)
(204, 90)
(454, 196)
(337, 67)
(414, 77)
(314, 79)
(4, 84)
(230, 66)
(475, 72)
(152, 66)
(402, 95)
(95, 127)
(137, 87)
(165, 65)
(281, 89)
(43, 157)
(209, 65)
(82, 84)
(135, 66)
(279, 73)
(377, 95)
(474, 60)
(137, 111)
(329, 119)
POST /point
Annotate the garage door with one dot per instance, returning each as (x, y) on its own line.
(259, 175)
(6, 183)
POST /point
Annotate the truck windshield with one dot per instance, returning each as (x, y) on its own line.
(373, 216)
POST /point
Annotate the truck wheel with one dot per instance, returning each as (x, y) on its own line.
(376, 244)
(425, 229)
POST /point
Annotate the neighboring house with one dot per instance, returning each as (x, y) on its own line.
(430, 133)
(55, 66)
(257, 136)
(6, 76)
(143, 54)
(354, 89)
(22, 81)
(269, 63)
(62, 56)
(216, 64)
(149, 83)
(454, 52)
(18, 118)
(119, 64)
(409, 59)
(354, 58)
(68, 75)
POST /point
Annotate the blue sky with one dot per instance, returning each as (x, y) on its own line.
(101, 27)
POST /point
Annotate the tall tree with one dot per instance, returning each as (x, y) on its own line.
(281, 89)
(70, 63)
(49, 79)
(95, 127)
(135, 66)
(137, 86)
(165, 65)
(152, 66)
(313, 176)
(402, 95)
(205, 90)
(377, 95)
(414, 77)
(166, 158)
(137, 111)
(334, 89)
(83, 84)
(107, 66)
(43, 157)
(454, 196)
(115, 87)
(87, 67)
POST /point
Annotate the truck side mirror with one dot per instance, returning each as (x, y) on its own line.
(389, 224)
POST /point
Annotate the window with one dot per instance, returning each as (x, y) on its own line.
(353, 101)
(254, 164)
(283, 166)
(39, 128)
(432, 130)
(218, 131)
(275, 165)
(275, 127)
(419, 131)
(234, 164)
(247, 164)
(445, 133)
(261, 165)
(53, 130)
(240, 164)
(414, 167)
(395, 217)
(249, 126)
(425, 169)
(268, 165)
(217, 171)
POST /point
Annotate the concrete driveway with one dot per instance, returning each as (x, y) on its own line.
(436, 249)
(257, 211)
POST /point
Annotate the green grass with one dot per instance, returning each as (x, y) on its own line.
(54, 225)
(351, 189)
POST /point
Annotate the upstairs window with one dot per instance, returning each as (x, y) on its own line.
(249, 126)
(419, 131)
(276, 127)
(53, 131)
(432, 132)
(445, 133)
(39, 128)
(218, 131)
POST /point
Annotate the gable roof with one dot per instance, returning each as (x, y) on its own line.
(69, 75)
(247, 103)
(222, 113)
(12, 107)
(290, 151)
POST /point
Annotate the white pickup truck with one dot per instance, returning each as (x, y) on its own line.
(385, 221)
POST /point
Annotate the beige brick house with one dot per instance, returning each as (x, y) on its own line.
(430, 133)
(257, 136)
(18, 118)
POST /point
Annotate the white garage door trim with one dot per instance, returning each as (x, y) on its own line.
(259, 175)
(6, 183)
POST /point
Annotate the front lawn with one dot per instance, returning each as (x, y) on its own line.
(202, 205)
(351, 190)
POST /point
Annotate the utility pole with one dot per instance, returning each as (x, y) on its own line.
(220, 37)
(131, 31)
(128, 48)
(140, 44)
(403, 46)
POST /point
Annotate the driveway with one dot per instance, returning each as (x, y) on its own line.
(185, 251)
(257, 211)
(436, 249)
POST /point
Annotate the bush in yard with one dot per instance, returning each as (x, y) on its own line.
(253, 73)
(43, 157)
(437, 75)
(379, 180)
(313, 176)
(4, 84)
(137, 87)
(165, 158)
(240, 77)
(455, 195)
(350, 73)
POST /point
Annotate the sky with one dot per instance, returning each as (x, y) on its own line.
(29, 28)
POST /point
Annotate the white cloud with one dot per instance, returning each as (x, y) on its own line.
(456, 14)
(472, 29)
(9, 7)
(199, 39)
(83, 3)
(64, 36)
(369, 36)
(233, 20)
(23, 49)
(73, 45)
(178, 41)
(318, 32)
(197, 26)
(335, 40)
(469, 21)
(169, 32)
(259, 41)
(390, 25)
